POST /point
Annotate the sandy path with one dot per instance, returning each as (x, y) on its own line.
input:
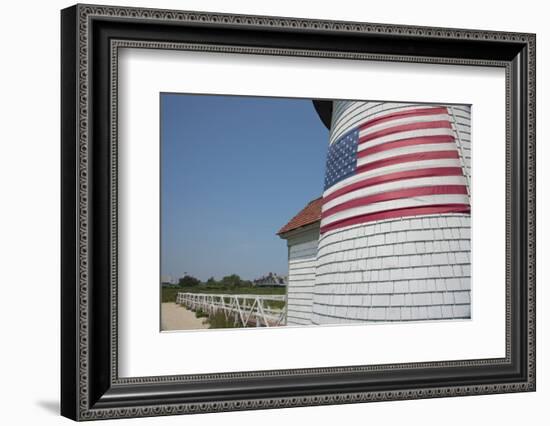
(175, 317)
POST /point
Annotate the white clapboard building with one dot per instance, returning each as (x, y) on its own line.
(389, 240)
(302, 236)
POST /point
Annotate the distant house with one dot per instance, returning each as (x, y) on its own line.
(302, 236)
(270, 280)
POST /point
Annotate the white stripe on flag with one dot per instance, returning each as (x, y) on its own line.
(355, 119)
(404, 135)
(406, 150)
(397, 185)
(398, 121)
(400, 167)
(401, 203)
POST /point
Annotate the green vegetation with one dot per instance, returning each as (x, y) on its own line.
(229, 281)
(218, 321)
(169, 294)
(201, 314)
(188, 280)
(230, 284)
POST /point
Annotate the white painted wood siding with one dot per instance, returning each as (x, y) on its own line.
(302, 255)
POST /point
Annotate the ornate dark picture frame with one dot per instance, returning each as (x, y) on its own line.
(90, 38)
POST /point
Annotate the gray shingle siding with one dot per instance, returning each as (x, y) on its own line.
(419, 272)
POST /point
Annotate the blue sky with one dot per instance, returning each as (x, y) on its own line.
(233, 171)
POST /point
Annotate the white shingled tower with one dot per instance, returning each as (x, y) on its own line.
(392, 230)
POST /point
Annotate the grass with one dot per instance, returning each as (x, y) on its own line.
(218, 321)
(169, 294)
(201, 314)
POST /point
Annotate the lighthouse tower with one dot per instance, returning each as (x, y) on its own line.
(394, 236)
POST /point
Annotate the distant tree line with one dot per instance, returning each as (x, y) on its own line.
(229, 281)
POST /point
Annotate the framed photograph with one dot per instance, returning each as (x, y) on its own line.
(263, 212)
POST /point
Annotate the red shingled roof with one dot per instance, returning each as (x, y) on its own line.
(308, 215)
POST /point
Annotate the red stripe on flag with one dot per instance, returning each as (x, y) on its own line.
(392, 214)
(391, 177)
(420, 156)
(405, 128)
(405, 142)
(403, 114)
(396, 195)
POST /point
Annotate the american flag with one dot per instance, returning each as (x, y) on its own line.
(394, 164)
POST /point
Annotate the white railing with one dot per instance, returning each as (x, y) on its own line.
(245, 309)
